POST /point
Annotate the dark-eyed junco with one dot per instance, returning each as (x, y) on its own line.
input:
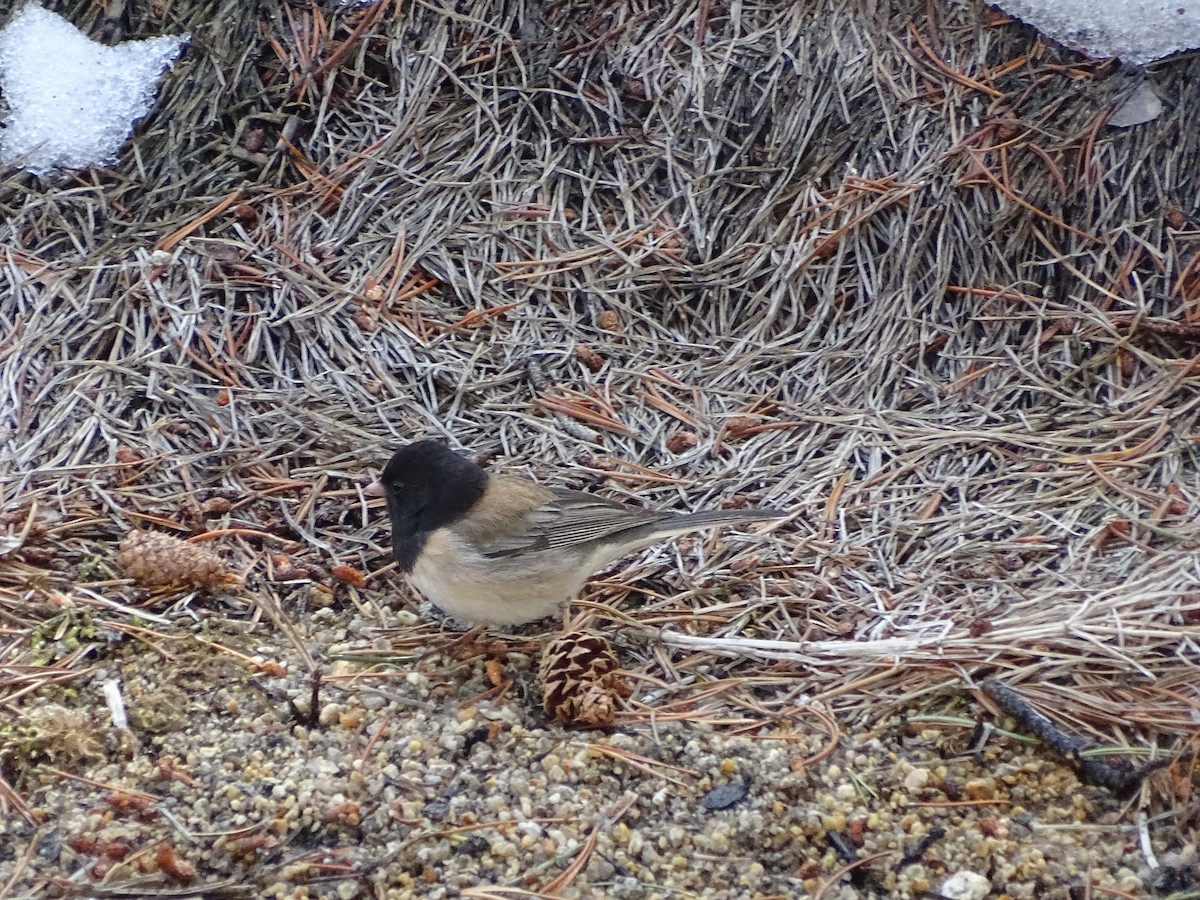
(501, 550)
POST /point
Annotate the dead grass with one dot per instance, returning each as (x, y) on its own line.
(893, 273)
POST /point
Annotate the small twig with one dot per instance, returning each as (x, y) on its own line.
(1071, 747)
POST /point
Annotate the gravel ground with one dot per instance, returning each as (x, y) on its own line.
(426, 779)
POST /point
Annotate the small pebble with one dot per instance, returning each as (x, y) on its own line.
(726, 796)
(966, 886)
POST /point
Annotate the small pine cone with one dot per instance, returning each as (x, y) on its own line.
(580, 680)
(154, 559)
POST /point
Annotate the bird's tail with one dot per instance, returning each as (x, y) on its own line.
(711, 518)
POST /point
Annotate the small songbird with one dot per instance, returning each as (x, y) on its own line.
(502, 550)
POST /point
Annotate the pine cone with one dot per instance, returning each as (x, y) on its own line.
(154, 559)
(580, 680)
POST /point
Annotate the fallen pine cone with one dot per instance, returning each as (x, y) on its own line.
(580, 680)
(154, 559)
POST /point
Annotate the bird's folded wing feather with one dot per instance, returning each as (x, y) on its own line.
(565, 519)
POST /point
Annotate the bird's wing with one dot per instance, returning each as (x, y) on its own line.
(564, 519)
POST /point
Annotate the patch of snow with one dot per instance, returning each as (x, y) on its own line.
(1138, 31)
(72, 102)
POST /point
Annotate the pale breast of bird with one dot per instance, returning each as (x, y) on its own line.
(455, 577)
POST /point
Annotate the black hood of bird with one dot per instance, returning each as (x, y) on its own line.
(428, 486)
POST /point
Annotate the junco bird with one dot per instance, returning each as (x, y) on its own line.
(501, 550)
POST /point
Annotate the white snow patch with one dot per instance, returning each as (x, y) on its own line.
(72, 101)
(1138, 31)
